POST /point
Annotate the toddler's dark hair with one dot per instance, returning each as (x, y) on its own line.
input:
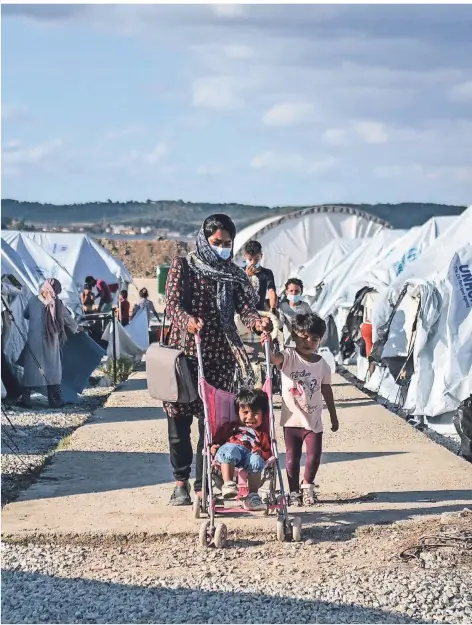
(255, 399)
(143, 292)
(309, 323)
(124, 293)
(252, 248)
(295, 281)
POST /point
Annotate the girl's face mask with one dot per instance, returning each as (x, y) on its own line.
(222, 252)
(294, 298)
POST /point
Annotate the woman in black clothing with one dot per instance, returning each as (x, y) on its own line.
(218, 289)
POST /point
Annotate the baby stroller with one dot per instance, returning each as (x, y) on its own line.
(219, 409)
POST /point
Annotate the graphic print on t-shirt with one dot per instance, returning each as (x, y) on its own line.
(247, 435)
(307, 385)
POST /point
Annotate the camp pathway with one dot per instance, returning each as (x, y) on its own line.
(113, 478)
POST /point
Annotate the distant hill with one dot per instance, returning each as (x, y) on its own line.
(185, 217)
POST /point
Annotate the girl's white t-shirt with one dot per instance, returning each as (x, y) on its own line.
(302, 402)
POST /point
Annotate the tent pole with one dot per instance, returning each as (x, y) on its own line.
(114, 346)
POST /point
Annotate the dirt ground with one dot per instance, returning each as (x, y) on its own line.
(141, 257)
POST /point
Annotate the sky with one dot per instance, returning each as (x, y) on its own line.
(263, 104)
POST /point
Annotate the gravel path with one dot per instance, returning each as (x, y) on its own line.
(335, 579)
(38, 432)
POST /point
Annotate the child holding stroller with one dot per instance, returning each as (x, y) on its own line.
(306, 379)
(244, 445)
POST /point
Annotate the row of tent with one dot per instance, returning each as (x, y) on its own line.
(412, 290)
(32, 257)
(409, 291)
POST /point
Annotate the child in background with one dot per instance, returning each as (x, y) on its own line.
(87, 298)
(291, 305)
(123, 309)
(306, 380)
(245, 446)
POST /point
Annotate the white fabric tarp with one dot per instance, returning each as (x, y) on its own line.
(131, 341)
(324, 261)
(42, 265)
(337, 289)
(291, 240)
(81, 256)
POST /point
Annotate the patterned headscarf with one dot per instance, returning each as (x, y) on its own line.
(54, 317)
(204, 262)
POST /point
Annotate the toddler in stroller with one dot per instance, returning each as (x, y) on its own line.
(244, 445)
(240, 454)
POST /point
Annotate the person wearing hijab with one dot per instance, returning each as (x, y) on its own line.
(48, 319)
(217, 290)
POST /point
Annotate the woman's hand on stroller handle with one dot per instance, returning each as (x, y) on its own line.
(214, 449)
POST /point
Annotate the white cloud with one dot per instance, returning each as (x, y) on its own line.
(334, 136)
(289, 114)
(238, 51)
(216, 92)
(15, 154)
(462, 92)
(155, 155)
(227, 10)
(371, 132)
(209, 170)
(291, 162)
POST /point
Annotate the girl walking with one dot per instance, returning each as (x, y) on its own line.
(306, 381)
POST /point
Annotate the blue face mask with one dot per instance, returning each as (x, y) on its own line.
(294, 298)
(222, 252)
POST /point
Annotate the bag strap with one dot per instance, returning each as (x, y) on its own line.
(186, 303)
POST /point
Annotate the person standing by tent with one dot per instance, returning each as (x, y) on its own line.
(106, 298)
(147, 304)
(48, 319)
(216, 290)
(261, 278)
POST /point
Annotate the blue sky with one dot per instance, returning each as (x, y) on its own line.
(259, 104)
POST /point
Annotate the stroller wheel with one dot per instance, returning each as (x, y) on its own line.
(205, 535)
(280, 530)
(221, 534)
(197, 507)
(297, 529)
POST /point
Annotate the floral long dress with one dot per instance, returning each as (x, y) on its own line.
(218, 360)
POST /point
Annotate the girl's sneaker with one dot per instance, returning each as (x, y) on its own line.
(295, 499)
(253, 502)
(229, 490)
(309, 496)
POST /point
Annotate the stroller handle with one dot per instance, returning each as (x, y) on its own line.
(198, 338)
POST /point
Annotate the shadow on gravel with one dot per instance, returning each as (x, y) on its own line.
(35, 598)
(32, 439)
(134, 384)
(355, 403)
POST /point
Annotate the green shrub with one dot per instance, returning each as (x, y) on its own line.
(124, 368)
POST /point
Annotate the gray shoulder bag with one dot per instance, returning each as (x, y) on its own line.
(167, 371)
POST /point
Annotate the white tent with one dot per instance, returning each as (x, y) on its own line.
(324, 261)
(289, 241)
(42, 265)
(405, 251)
(13, 264)
(337, 284)
(81, 256)
(439, 294)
